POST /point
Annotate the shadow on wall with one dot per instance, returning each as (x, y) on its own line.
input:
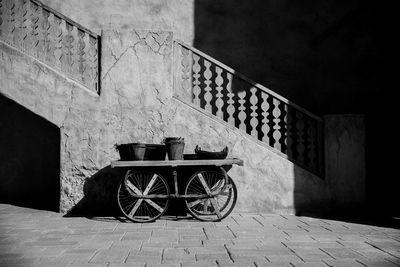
(329, 57)
(29, 158)
(99, 195)
(315, 53)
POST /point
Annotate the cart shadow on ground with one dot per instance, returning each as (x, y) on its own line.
(100, 198)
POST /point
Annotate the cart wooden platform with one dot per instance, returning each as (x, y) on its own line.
(144, 194)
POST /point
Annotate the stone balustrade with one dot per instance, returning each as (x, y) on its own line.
(51, 38)
(231, 97)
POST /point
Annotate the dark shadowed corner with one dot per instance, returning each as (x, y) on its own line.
(29, 158)
(330, 58)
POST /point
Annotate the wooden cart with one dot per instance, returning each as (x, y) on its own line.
(209, 194)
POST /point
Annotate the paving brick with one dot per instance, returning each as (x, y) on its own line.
(278, 251)
(284, 259)
(191, 232)
(165, 233)
(169, 240)
(110, 256)
(310, 264)
(343, 263)
(143, 260)
(210, 263)
(212, 256)
(80, 264)
(188, 244)
(158, 244)
(58, 261)
(51, 252)
(128, 244)
(163, 264)
(147, 255)
(241, 244)
(49, 243)
(313, 256)
(127, 264)
(355, 244)
(246, 259)
(315, 244)
(388, 246)
(237, 264)
(17, 261)
(352, 237)
(219, 233)
(342, 253)
(273, 264)
(239, 253)
(176, 255)
(185, 237)
(127, 227)
(136, 235)
(216, 242)
(109, 236)
(208, 249)
(379, 263)
(371, 253)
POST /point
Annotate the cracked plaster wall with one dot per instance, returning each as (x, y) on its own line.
(137, 104)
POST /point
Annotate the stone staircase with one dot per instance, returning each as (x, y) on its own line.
(152, 87)
(232, 98)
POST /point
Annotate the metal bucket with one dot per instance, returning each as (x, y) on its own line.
(175, 147)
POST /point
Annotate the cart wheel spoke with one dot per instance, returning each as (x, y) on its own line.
(222, 196)
(194, 203)
(205, 207)
(204, 184)
(151, 183)
(154, 205)
(130, 196)
(133, 188)
(216, 208)
(135, 208)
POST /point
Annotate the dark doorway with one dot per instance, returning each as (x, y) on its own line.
(29, 158)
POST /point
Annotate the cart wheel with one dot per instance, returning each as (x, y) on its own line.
(131, 190)
(210, 208)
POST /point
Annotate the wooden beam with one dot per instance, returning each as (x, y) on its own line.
(175, 163)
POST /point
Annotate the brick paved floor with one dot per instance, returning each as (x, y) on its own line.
(31, 237)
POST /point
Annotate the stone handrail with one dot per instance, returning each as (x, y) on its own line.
(51, 38)
(231, 97)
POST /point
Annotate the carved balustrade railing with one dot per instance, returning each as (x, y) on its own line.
(217, 89)
(53, 39)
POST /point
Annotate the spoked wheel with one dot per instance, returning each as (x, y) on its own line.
(132, 193)
(211, 208)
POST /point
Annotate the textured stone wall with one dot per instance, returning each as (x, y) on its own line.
(136, 104)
